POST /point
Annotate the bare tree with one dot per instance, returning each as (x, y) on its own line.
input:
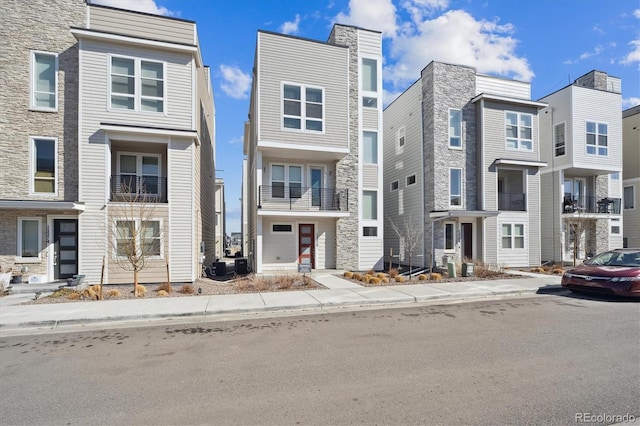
(576, 226)
(410, 230)
(134, 231)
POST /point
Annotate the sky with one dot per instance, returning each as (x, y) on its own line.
(548, 43)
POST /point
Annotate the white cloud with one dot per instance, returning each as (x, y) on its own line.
(596, 51)
(634, 55)
(147, 6)
(630, 102)
(238, 140)
(418, 9)
(235, 83)
(379, 15)
(291, 27)
(636, 13)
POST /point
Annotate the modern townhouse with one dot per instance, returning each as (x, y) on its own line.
(581, 141)
(631, 176)
(462, 170)
(111, 113)
(313, 145)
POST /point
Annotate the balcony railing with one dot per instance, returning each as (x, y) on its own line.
(300, 198)
(140, 189)
(590, 204)
(512, 202)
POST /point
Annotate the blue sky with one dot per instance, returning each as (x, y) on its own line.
(546, 42)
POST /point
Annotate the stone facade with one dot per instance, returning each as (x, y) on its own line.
(593, 80)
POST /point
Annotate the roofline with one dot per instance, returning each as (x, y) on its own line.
(509, 100)
(102, 6)
(301, 38)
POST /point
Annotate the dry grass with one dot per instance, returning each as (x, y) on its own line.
(357, 276)
(422, 277)
(400, 278)
(187, 289)
(74, 296)
(162, 293)
(375, 281)
(348, 274)
(436, 276)
(381, 275)
(371, 272)
(385, 280)
(166, 287)
(141, 290)
(393, 272)
(114, 292)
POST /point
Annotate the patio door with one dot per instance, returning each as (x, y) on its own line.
(65, 248)
(306, 245)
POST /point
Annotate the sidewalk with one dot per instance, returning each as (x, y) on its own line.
(341, 293)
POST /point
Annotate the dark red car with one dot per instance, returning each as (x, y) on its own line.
(615, 272)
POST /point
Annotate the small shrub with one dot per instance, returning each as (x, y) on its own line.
(393, 272)
(162, 293)
(357, 276)
(436, 276)
(538, 270)
(73, 296)
(187, 289)
(141, 290)
(114, 292)
(63, 292)
(348, 274)
(375, 280)
(242, 285)
(366, 278)
(381, 275)
(371, 272)
(422, 277)
(385, 280)
(90, 293)
(399, 278)
(307, 281)
(557, 271)
(166, 287)
(286, 282)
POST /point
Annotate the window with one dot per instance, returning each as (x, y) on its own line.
(370, 147)
(597, 143)
(137, 85)
(411, 180)
(400, 137)
(370, 82)
(519, 131)
(302, 105)
(44, 81)
(295, 181)
(136, 238)
(449, 236)
(369, 205)
(455, 187)
(281, 175)
(277, 181)
(629, 201)
(559, 139)
(29, 237)
(455, 128)
(615, 176)
(394, 185)
(43, 166)
(282, 228)
(512, 236)
(139, 174)
(615, 226)
(370, 231)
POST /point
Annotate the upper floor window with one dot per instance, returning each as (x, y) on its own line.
(139, 174)
(286, 177)
(394, 185)
(455, 128)
(303, 105)
(597, 135)
(43, 166)
(369, 205)
(411, 180)
(629, 201)
(44, 81)
(370, 82)
(400, 136)
(370, 147)
(137, 85)
(29, 237)
(455, 187)
(519, 131)
(559, 139)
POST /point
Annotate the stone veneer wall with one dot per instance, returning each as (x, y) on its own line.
(347, 228)
(601, 231)
(447, 86)
(593, 80)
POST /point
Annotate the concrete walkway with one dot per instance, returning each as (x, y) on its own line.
(340, 293)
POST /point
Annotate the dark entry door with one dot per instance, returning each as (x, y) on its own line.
(65, 243)
(306, 246)
(467, 240)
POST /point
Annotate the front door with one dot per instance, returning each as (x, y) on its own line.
(316, 187)
(467, 240)
(306, 246)
(65, 248)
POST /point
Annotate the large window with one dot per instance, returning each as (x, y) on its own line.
(512, 236)
(559, 139)
(370, 147)
(597, 138)
(629, 197)
(519, 131)
(137, 85)
(44, 81)
(29, 237)
(285, 177)
(135, 238)
(369, 205)
(455, 128)
(455, 187)
(303, 105)
(43, 166)
(370, 83)
(139, 174)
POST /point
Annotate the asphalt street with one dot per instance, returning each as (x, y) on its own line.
(534, 360)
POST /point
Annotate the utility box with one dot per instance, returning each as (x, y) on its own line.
(241, 266)
(467, 269)
(221, 269)
(451, 269)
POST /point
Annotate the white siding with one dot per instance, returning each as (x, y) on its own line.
(502, 87)
(369, 43)
(370, 176)
(514, 257)
(371, 253)
(181, 226)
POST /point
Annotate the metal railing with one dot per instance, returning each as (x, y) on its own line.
(136, 188)
(512, 202)
(591, 204)
(301, 198)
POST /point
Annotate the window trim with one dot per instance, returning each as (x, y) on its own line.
(138, 225)
(414, 180)
(458, 147)
(518, 139)
(137, 89)
(615, 223)
(375, 205)
(139, 156)
(374, 152)
(369, 93)
(33, 165)
(303, 109)
(461, 188)
(272, 231)
(555, 141)
(453, 236)
(633, 197)
(512, 236)
(28, 259)
(287, 181)
(33, 85)
(597, 135)
(397, 184)
(369, 227)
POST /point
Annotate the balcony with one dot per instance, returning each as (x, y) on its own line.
(590, 204)
(138, 189)
(302, 199)
(512, 202)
